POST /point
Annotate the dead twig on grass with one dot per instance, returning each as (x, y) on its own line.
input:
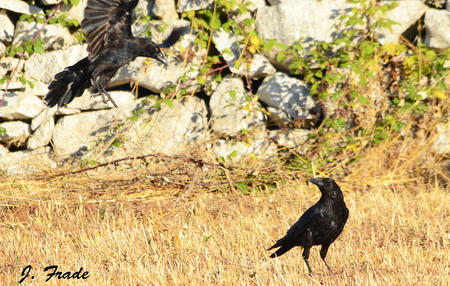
(198, 162)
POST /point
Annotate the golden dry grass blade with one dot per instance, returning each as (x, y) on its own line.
(128, 231)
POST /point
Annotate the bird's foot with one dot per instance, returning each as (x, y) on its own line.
(309, 267)
(329, 268)
(105, 95)
(110, 100)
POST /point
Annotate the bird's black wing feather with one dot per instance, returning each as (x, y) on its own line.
(298, 229)
(106, 22)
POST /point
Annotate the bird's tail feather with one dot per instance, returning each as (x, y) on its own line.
(279, 243)
(282, 250)
(68, 84)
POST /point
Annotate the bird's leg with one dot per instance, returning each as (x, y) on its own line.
(323, 254)
(103, 92)
(305, 257)
(326, 264)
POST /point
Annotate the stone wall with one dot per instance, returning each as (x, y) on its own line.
(38, 137)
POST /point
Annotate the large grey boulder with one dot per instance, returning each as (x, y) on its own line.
(42, 126)
(307, 21)
(25, 162)
(188, 5)
(7, 30)
(43, 67)
(42, 117)
(20, 106)
(8, 64)
(17, 133)
(3, 151)
(51, 2)
(286, 94)
(291, 20)
(153, 76)
(169, 130)
(310, 21)
(88, 101)
(256, 145)
(77, 134)
(253, 5)
(405, 14)
(293, 139)
(42, 136)
(20, 7)
(230, 48)
(437, 26)
(232, 110)
(165, 9)
(53, 36)
(442, 143)
(2, 48)
(12, 85)
(76, 12)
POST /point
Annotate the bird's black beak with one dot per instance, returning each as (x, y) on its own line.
(315, 181)
(161, 58)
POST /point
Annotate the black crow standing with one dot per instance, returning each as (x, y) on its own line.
(321, 224)
(111, 45)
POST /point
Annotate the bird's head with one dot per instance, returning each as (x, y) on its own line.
(328, 187)
(152, 50)
(158, 55)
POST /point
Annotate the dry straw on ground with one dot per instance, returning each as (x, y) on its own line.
(140, 226)
(180, 221)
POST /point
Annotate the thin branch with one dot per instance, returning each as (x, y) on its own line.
(198, 162)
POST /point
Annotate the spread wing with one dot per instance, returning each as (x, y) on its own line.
(106, 22)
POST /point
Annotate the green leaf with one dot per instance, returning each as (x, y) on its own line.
(201, 80)
(243, 187)
(215, 22)
(168, 102)
(117, 143)
(363, 100)
(281, 56)
(23, 81)
(233, 154)
(158, 104)
(37, 47)
(367, 49)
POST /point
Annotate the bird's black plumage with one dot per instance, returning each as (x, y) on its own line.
(321, 224)
(111, 45)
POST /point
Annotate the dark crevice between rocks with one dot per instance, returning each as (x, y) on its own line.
(141, 91)
(255, 84)
(416, 31)
(15, 148)
(13, 16)
(271, 122)
(206, 98)
(437, 4)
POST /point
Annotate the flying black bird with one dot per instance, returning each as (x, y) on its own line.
(111, 45)
(321, 224)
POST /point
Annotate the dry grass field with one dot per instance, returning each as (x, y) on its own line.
(182, 221)
(127, 227)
